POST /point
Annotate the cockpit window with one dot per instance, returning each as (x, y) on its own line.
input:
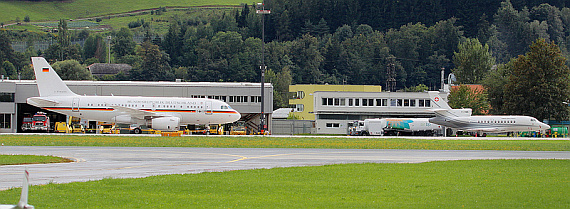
(533, 120)
(224, 107)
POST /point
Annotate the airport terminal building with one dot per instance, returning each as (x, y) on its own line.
(243, 97)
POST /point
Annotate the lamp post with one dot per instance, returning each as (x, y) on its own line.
(109, 48)
(260, 9)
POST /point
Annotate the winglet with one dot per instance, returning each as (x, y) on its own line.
(24, 197)
(49, 83)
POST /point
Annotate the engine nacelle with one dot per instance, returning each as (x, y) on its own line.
(166, 123)
(123, 119)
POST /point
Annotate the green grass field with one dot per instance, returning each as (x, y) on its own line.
(44, 11)
(283, 142)
(30, 159)
(453, 184)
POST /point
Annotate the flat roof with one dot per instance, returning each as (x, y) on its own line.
(150, 83)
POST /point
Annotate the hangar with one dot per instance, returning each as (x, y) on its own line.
(243, 97)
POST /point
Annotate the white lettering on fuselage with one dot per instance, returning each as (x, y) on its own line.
(163, 102)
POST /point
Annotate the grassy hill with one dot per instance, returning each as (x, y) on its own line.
(43, 11)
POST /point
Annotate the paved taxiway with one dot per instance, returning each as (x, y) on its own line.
(95, 163)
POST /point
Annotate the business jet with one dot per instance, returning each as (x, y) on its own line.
(159, 113)
(462, 119)
(23, 204)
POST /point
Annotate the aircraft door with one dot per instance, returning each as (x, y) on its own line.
(75, 105)
(208, 107)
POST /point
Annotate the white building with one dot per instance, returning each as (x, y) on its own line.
(334, 110)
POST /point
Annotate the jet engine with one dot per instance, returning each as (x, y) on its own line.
(165, 123)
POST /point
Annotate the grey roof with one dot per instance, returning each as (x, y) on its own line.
(100, 69)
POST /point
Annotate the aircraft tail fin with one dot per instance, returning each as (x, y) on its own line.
(437, 101)
(24, 197)
(49, 83)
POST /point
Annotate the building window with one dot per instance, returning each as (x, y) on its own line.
(342, 102)
(256, 99)
(5, 120)
(350, 102)
(406, 102)
(324, 102)
(357, 102)
(6, 97)
(396, 102)
(412, 102)
(424, 103)
(300, 95)
(299, 108)
(382, 102)
(333, 125)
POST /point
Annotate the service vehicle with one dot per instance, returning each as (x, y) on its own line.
(40, 122)
(27, 123)
(394, 127)
(238, 128)
(61, 127)
(106, 128)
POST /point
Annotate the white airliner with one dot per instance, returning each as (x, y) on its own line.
(160, 113)
(23, 204)
(461, 119)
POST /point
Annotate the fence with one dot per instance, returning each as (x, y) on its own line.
(291, 127)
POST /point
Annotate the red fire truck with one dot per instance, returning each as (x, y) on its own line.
(40, 122)
(27, 123)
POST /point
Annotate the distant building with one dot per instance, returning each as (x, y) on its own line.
(304, 101)
(101, 69)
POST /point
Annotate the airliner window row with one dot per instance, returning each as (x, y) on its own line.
(497, 121)
(370, 102)
(232, 99)
(157, 106)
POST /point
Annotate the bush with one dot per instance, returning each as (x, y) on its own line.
(27, 18)
(98, 19)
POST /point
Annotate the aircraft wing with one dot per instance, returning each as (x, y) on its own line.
(487, 130)
(137, 113)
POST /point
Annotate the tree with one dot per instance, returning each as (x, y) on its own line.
(123, 43)
(63, 38)
(467, 97)
(71, 70)
(539, 84)
(494, 84)
(95, 46)
(418, 88)
(154, 66)
(473, 61)
(9, 69)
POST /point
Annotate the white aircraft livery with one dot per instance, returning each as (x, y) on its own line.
(23, 204)
(461, 119)
(160, 113)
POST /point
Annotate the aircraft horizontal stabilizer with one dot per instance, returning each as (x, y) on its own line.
(41, 102)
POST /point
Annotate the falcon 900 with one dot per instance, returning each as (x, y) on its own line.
(462, 119)
(159, 113)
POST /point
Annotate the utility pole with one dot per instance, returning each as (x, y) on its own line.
(260, 9)
(109, 48)
(391, 74)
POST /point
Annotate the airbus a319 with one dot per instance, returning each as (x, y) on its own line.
(160, 113)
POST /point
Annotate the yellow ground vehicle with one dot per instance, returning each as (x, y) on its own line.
(238, 128)
(216, 129)
(106, 128)
(61, 127)
(77, 128)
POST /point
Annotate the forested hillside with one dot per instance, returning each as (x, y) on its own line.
(323, 41)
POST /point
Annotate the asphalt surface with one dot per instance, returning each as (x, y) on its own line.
(95, 163)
